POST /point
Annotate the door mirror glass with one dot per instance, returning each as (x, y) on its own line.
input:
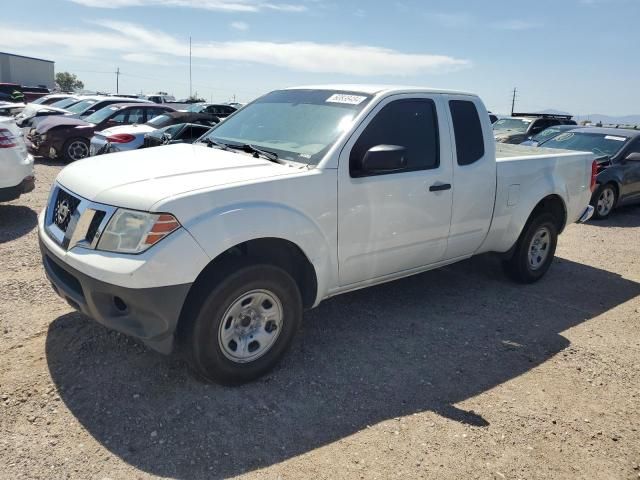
(384, 159)
(633, 157)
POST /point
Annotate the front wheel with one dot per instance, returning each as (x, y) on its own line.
(603, 201)
(75, 149)
(244, 325)
(534, 251)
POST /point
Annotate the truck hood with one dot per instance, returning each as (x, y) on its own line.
(141, 178)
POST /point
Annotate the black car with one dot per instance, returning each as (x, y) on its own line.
(522, 126)
(220, 111)
(181, 133)
(618, 180)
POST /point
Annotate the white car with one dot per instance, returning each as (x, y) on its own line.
(301, 195)
(16, 165)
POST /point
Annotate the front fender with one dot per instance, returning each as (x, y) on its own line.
(218, 230)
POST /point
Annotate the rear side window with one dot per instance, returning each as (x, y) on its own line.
(412, 124)
(467, 130)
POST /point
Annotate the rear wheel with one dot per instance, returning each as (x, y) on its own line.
(241, 328)
(603, 201)
(534, 251)
(75, 149)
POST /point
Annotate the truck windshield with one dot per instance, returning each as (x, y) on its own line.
(598, 143)
(297, 125)
(517, 124)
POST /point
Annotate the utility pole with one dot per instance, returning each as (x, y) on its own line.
(513, 100)
(118, 80)
(190, 84)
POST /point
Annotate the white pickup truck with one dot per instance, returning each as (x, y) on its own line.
(305, 193)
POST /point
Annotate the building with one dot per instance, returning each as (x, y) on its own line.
(29, 71)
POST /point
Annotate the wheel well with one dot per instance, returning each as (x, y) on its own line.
(554, 205)
(273, 251)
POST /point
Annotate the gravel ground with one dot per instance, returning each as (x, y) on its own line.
(455, 373)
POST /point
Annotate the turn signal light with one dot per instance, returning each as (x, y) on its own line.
(164, 225)
(594, 174)
(7, 140)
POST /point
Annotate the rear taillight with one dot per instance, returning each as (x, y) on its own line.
(594, 174)
(7, 139)
(120, 138)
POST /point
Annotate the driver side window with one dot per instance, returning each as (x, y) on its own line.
(412, 124)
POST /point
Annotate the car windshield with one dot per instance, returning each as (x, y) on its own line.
(598, 143)
(547, 134)
(297, 125)
(517, 124)
(101, 114)
(81, 106)
(159, 121)
(67, 102)
(197, 108)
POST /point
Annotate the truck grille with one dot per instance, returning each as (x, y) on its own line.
(64, 207)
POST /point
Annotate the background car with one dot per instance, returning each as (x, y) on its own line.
(618, 180)
(51, 98)
(25, 118)
(181, 133)
(16, 165)
(131, 137)
(520, 126)
(68, 137)
(219, 110)
(547, 134)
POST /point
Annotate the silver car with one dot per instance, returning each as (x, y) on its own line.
(131, 137)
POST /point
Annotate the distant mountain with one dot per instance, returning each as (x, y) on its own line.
(606, 119)
(592, 117)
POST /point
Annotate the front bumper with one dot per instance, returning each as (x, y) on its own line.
(149, 314)
(11, 193)
(40, 148)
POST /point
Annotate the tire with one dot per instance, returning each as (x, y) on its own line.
(604, 201)
(73, 149)
(239, 329)
(526, 264)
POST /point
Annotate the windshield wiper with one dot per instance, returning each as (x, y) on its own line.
(248, 148)
(212, 143)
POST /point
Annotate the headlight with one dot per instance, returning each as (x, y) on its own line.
(129, 231)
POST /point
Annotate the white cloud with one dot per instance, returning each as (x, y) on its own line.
(147, 58)
(218, 5)
(125, 38)
(452, 20)
(242, 26)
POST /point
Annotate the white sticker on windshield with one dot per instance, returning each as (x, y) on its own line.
(618, 139)
(348, 99)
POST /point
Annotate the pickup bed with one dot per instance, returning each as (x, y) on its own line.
(306, 193)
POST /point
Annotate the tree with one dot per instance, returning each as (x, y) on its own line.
(68, 82)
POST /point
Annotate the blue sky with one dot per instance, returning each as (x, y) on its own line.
(579, 56)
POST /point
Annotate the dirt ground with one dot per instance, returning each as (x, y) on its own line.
(456, 373)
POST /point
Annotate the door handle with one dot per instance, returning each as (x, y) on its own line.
(440, 187)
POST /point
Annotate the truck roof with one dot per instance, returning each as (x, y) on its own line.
(377, 89)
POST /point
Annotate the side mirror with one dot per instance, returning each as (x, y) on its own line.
(632, 157)
(384, 159)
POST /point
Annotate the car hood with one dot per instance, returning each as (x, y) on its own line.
(140, 179)
(135, 129)
(61, 120)
(32, 110)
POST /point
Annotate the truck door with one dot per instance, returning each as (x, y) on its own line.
(631, 174)
(398, 220)
(474, 175)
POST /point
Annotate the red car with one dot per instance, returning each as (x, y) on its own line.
(68, 138)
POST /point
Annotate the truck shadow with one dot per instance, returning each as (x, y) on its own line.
(16, 221)
(423, 343)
